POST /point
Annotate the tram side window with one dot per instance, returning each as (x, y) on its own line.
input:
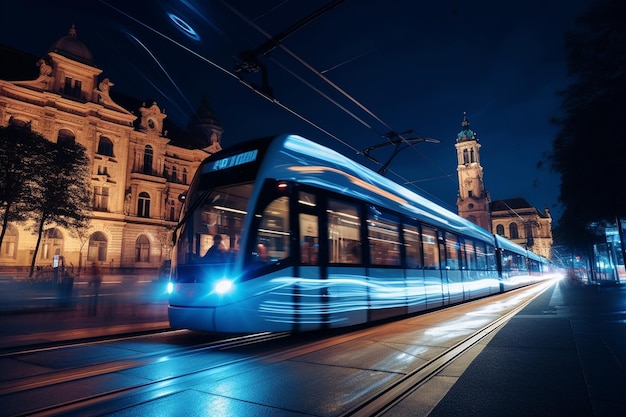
(452, 251)
(272, 243)
(513, 262)
(344, 226)
(490, 257)
(413, 247)
(309, 238)
(470, 255)
(481, 256)
(309, 241)
(384, 238)
(431, 252)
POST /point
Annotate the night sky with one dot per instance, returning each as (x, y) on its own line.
(403, 65)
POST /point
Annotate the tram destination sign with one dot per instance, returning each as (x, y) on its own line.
(231, 161)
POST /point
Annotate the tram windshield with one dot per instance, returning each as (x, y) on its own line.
(212, 231)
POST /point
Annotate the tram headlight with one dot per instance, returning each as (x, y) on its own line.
(223, 286)
(170, 287)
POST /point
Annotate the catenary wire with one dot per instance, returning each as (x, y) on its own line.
(273, 99)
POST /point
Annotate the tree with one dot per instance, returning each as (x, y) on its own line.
(61, 194)
(22, 154)
(589, 149)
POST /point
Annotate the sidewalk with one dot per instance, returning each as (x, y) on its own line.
(33, 315)
(563, 355)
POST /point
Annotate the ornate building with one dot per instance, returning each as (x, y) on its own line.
(137, 171)
(514, 218)
(522, 223)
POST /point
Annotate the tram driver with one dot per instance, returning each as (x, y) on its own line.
(215, 252)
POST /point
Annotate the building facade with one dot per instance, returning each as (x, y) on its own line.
(514, 218)
(524, 224)
(137, 171)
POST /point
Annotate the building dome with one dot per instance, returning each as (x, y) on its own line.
(69, 46)
(466, 134)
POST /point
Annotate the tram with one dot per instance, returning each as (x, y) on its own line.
(284, 234)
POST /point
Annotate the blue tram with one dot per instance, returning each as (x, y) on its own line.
(283, 234)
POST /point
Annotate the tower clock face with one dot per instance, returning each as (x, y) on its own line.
(468, 182)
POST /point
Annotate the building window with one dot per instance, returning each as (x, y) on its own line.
(105, 146)
(97, 251)
(101, 198)
(65, 137)
(513, 232)
(143, 205)
(148, 155)
(174, 177)
(67, 88)
(52, 243)
(500, 230)
(142, 249)
(185, 176)
(72, 88)
(9, 243)
(465, 157)
(13, 121)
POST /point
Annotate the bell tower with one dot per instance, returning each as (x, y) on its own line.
(473, 200)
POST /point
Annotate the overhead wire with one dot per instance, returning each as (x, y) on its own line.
(269, 97)
(308, 66)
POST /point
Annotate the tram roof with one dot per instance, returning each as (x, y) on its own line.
(292, 157)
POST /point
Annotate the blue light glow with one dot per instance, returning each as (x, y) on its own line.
(223, 286)
(184, 27)
(170, 287)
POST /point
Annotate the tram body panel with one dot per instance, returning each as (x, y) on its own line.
(388, 293)
(454, 279)
(416, 290)
(436, 290)
(346, 301)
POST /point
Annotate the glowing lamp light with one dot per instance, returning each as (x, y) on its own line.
(184, 27)
(223, 286)
(170, 287)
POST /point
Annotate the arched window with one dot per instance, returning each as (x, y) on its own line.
(105, 146)
(185, 176)
(500, 230)
(174, 174)
(514, 233)
(97, 251)
(465, 157)
(472, 160)
(51, 244)
(142, 249)
(148, 155)
(14, 121)
(65, 137)
(143, 205)
(9, 243)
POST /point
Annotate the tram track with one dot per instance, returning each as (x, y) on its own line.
(69, 375)
(250, 352)
(381, 402)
